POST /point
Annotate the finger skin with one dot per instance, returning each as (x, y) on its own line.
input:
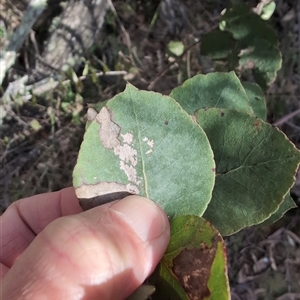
(25, 218)
(93, 255)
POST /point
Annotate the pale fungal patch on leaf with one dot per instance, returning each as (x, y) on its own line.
(128, 161)
(130, 171)
(109, 131)
(127, 138)
(109, 134)
(150, 143)
(103, 188)
(91, 114)
(126, 154)
(132, 189)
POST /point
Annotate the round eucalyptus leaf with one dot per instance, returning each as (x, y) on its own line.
(244, 24)
(263, 57)
(255, 168)
(287, 204)
(145, 143)
(220, 50)
(194, 265)
(223, 90)
(176, 48)
(256, 98)
(268, 10)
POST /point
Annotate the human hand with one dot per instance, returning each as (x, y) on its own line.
(50, 249)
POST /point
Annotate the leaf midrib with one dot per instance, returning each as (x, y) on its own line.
(142, 156)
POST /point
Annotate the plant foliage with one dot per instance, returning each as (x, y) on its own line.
(246, 42)
(205, 154)
(201, 152)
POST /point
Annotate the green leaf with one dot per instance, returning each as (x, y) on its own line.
(35, 125)
(264, 58)
(256, 98)
(85, 70)
(217, 44)
(145, 143)
(222, 90)
(257, 42)
(287, 204)
(245, 25)
(255, 163)
(268, 10)
(194, 265)
(176, 48)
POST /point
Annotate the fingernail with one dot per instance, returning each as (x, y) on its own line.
(143, 216)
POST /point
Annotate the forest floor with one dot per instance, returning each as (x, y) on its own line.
(40, 139)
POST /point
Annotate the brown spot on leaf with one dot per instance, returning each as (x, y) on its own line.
(192, 268)
(257, 124)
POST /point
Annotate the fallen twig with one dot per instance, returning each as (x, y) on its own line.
(25, 92)
(163, 72)
(286, 118)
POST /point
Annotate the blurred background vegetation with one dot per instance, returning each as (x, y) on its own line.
(155, 45)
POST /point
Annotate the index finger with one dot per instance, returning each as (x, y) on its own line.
(25, 218)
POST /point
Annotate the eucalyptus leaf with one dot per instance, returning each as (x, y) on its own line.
(245, 37)
(256, 98)
(268, 10)
(262, 56)
(257, 42)
(219, 50)
(176, 48)
(255, 163)
(245, 25)
(35, 125)
(223, 90)
(287, 204)
(145, 143)
(194, 265)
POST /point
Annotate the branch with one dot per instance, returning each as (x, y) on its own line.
(8, 56)
(18, 88)
(286, 118)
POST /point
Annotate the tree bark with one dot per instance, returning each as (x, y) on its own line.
(71, 35)
(8, 56)
(74, 34)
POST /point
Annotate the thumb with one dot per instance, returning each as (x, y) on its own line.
(103, 253)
